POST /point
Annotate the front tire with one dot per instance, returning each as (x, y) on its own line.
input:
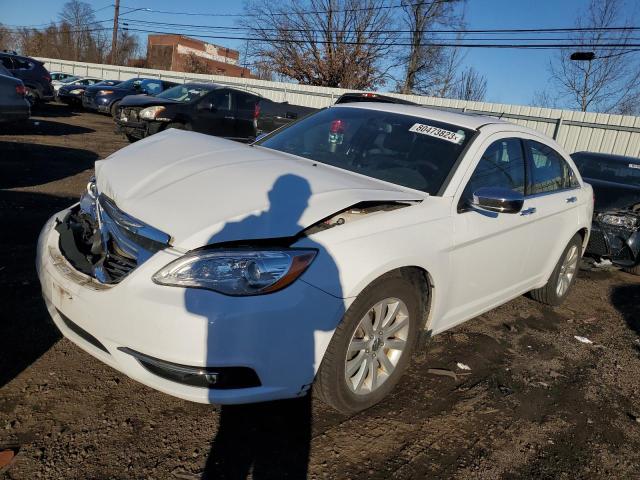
(372, 346)
(114, 109)
(563, 276)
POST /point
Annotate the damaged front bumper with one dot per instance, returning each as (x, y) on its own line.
(190, 343)
(619, 244)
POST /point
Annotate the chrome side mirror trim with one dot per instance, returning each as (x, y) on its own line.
(497, 199)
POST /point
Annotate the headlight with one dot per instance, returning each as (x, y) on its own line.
(76, 91)
(105, 92)
(237, 271)
(625, 221)
(151, 113)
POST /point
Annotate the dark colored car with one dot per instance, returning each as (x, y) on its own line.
(35, 77)
(615, 233)
(72, 94)
(13, 105)
(107, 100)
(371, 97)
(205, 108)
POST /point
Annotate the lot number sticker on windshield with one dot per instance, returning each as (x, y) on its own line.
(436, 132)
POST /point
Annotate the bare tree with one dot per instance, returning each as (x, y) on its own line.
(6, 38)
(610, 81)
(471, 85)
(80, 19)
(332, 43)
(195, 64)
(544, 98)
(428, 68)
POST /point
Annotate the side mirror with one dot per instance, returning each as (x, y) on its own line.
(497, 199)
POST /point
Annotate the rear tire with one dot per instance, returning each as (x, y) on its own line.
(32, 96)
(360, 368)
(563, 276)
(633, 270)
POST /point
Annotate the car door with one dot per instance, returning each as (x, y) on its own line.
(490, 249)
(214, 114)
(554, 194)
(245, 113)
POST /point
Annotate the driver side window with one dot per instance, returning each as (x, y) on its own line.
(502, 165)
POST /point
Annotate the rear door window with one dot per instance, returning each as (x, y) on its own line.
(501, 165)
(549, 171)
(221, 100)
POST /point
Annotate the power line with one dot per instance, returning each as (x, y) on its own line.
(383, 44)
(305, 12)
(450, 31)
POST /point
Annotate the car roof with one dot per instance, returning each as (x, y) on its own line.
(606, 156)
(465, 120)
(204, 84)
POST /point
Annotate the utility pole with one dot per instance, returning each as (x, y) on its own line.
(114, 37)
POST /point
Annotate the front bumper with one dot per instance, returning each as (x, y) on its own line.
(282, 336)
(138, 129)
(621, 246)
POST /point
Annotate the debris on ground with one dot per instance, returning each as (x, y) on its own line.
(582, 339)
(6, 457)
(463, 366)
(443, 372)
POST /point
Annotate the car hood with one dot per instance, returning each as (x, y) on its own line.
(202, 190)
(144, 100)
(613, 196)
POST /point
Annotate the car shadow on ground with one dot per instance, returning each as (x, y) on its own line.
(52, 109)
(26, 331)
(28, 164)
(36, 126)
(626, 299)
(268, 440)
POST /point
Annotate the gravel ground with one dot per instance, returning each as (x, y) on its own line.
(537, 403)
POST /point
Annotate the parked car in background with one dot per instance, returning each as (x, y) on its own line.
(84, 81)
(220, 272)
(57, 76)
(205, 108)
(615, 234)
(35, 77)
(13, 104)
(353, 97)
(72, 94)
(107, 99)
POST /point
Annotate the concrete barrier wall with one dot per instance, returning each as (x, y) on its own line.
(576, 131)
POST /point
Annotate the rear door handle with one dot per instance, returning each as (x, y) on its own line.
(572, 199)
(528, 211)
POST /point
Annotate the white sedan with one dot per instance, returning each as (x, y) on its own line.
(227, 273)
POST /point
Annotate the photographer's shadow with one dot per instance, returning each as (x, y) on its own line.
(269, 440)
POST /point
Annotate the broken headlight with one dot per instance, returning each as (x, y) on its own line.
(151, 113)
(237, 272)
(625, 221)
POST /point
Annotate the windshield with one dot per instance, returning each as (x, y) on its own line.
(625, 172)
(410, 151)
(186, 93)
(69, 79)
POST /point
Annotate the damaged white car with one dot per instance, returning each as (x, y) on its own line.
(225, 273)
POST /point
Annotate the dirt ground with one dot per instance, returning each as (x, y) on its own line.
(537, 403)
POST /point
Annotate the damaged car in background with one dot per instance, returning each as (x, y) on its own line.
(221, 272)
(615, 233)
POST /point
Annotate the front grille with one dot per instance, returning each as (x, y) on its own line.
(126, 241)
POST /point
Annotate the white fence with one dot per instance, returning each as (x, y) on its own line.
(576, 131)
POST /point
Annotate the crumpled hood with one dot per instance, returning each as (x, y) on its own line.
(201, 189)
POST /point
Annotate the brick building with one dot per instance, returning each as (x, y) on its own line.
(179, 54)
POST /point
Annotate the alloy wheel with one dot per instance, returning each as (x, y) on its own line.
(376, 345)
(567, 271)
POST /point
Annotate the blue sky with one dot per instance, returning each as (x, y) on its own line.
(513, 75)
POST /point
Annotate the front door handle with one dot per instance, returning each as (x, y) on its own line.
(572, 199)
(528, 211)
